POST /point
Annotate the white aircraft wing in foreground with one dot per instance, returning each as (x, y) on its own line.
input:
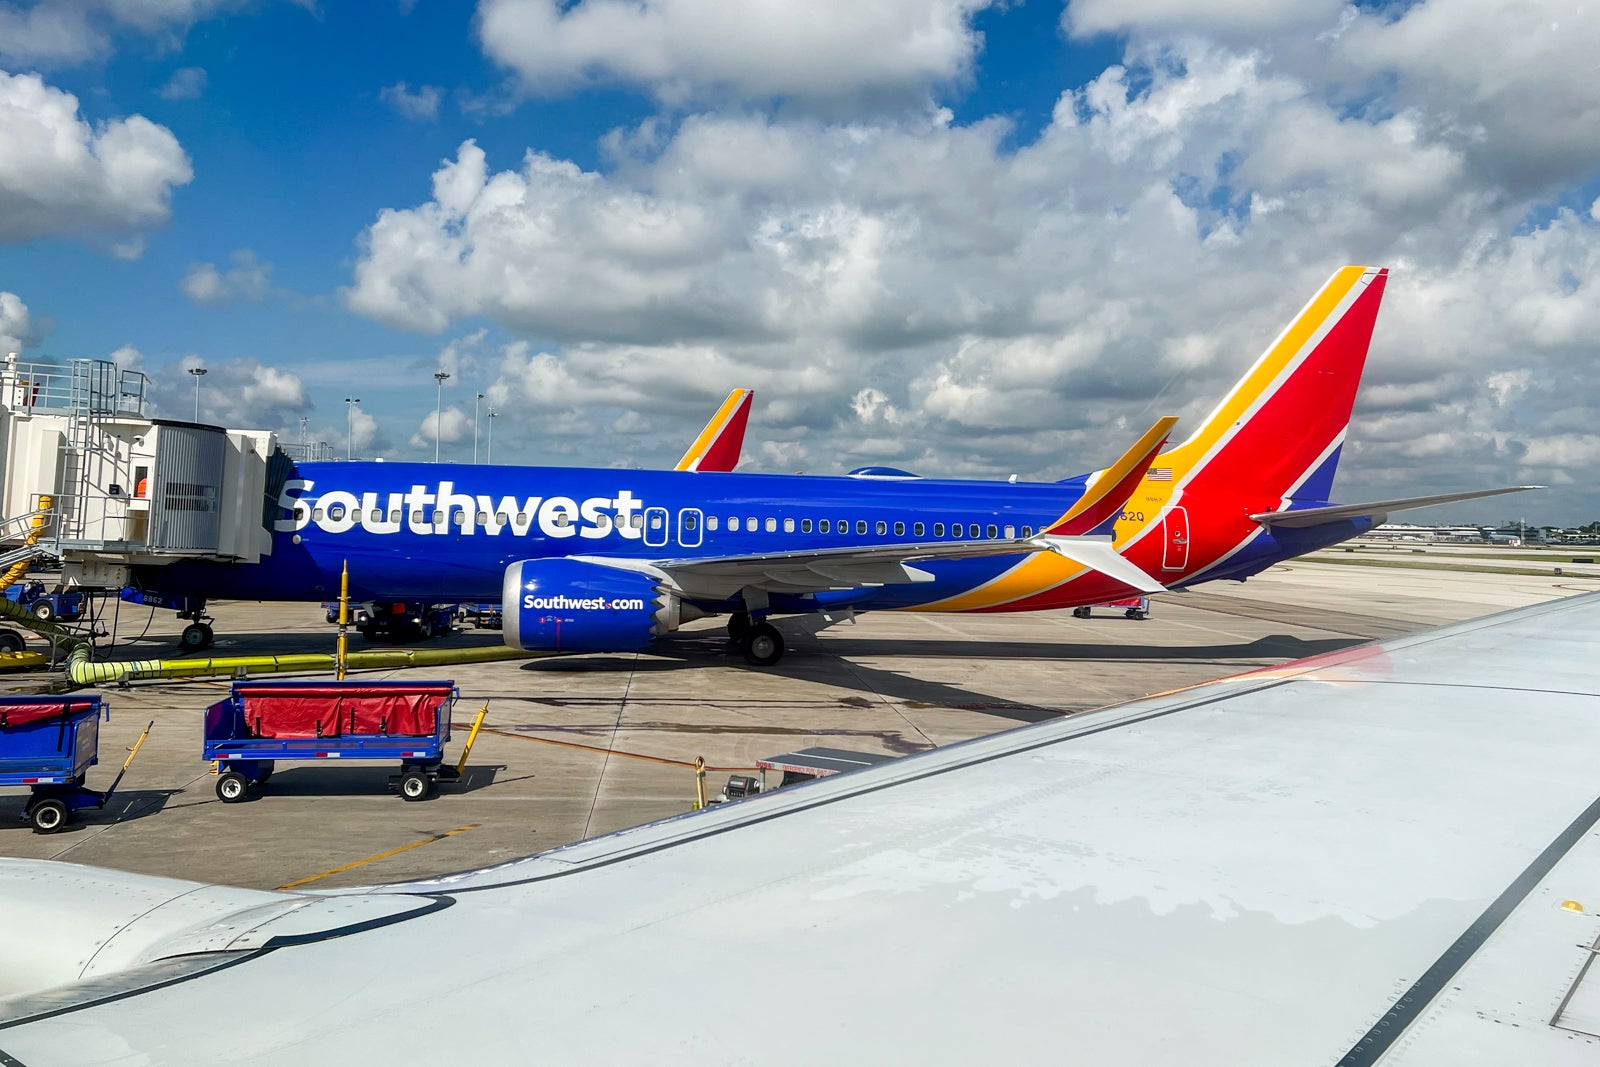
(1386, 855)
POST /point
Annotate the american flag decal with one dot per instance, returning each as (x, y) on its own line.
(1160, 474)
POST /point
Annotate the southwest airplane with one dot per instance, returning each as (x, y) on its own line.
(607, 560)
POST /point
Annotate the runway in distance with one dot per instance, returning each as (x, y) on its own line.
(610, 560)
(1385, 855)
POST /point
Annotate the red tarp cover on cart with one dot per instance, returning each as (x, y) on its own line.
(333, 712)
(14, 715)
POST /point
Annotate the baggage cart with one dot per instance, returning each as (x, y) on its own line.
(261, 724)
(48, 744)
(1134, 607)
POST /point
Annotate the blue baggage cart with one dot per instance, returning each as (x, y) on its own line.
(262, 723)
(48, 744)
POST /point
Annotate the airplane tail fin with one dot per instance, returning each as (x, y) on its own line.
(1097, 510)
(720, 443)
(1276, 437)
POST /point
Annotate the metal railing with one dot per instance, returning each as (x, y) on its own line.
(93, 387)
(310, 452)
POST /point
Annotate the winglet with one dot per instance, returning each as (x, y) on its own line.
(719, 444)
(1105, 495)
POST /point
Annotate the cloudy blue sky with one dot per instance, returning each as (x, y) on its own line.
(960, 236)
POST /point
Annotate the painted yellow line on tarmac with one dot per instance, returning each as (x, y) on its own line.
(380, 856)
(597, 750)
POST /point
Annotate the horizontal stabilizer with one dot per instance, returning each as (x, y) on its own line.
(1100, 556)
(1105, 495)
(1377, 509)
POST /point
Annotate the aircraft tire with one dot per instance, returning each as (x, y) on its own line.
(196, 635)
(763, 645)
(47, 816)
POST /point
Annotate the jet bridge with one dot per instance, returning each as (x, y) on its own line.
(117, 488)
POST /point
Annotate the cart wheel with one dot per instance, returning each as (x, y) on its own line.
(1080, 613)
(1135, 613)
(11, 641)
(43, 610)
(231, 787)
(48, 816)
(414, 785)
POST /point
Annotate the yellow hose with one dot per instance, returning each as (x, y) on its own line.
(83, 672)
(41, 521)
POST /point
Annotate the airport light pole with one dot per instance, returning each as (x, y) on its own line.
(439, 376)
(350, 403)
(475, 404)
(490, 458)
(198, 372)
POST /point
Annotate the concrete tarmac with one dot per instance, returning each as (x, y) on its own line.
(584, 745)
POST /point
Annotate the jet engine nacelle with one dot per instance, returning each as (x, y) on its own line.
(570, 605)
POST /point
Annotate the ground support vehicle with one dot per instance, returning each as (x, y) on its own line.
(484, 616)
(406, 620)
(45, 605)
(1134, 607)
(48, 744)
(261, 724)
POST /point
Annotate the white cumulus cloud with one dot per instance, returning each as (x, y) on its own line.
(16, 325)
(680, 49)
(247, 279)
(419, 105)
(186, 83)
(61, 177)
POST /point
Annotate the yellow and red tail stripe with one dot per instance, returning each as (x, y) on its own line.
(719, 445)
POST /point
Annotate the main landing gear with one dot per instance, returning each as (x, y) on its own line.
(759, 641)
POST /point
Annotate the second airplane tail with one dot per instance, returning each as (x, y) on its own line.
(1277, 435)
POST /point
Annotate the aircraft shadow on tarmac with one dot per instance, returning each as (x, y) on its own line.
(819, 661)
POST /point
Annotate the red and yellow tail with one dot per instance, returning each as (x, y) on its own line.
(1277, 434)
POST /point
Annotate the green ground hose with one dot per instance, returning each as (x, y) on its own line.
(82, 672)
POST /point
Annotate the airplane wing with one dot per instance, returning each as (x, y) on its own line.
(719, 444)
(1082, 535)
(808, 571)
(1386, 855)
(1377, 510)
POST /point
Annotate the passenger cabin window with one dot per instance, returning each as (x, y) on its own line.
(416, 516)
(483, 518)
(1011, 531)
(918, 529)
(772, 525)
(882, 528)
(655, 521)
(501, 517)
(316, 514)
(690, 522)
(992, 532)
(861, 526)
(711, 522)
(336, 511)
(438, 517)
(461, 519)
(805, 526)
(938, 529)
(564, 520)
(638, 522)
(1027, 531)
(788, 526)
(899, 529)
(750, 523)
(733, 522)
(377, 515)
(825, 526)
